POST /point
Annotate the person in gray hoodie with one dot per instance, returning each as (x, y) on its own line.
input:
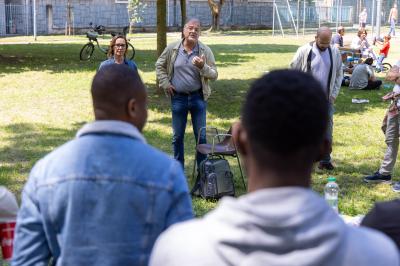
(281, 221)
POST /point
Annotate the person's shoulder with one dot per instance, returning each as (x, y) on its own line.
(370, 246)
(106, 62)
(184, 243)
(131, 64)
(204, 46)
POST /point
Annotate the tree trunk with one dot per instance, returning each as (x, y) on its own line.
(215, 6)
(161, 26)
(183, 13)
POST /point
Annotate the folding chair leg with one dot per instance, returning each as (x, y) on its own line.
(194, 165)
(241, 172)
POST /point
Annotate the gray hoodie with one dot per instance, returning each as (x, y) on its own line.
(278, 226)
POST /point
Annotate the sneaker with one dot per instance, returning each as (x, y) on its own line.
(378, 178)
(396, 187)
(326, 166)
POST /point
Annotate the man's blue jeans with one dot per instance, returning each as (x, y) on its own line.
(182, 105)
(329, 133)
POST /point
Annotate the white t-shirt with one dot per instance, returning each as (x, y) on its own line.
(320, 66)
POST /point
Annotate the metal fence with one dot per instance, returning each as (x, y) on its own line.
(17, 19)
(52, 18)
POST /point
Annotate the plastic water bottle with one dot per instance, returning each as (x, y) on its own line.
(331, 193)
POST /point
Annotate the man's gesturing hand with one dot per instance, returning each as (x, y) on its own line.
(198, 61)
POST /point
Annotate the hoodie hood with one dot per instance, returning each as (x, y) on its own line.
(276, 227)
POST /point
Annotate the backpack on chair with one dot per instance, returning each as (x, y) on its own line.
(216, 178)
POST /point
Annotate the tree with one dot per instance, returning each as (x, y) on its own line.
(215, 6)
(135, 10)
(183, 13)
(161, 26)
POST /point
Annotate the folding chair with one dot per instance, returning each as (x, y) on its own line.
(226, 147)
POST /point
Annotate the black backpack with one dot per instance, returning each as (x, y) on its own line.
(215, 178)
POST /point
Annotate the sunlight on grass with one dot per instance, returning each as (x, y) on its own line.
(45, 99)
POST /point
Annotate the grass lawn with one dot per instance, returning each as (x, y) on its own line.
(44, 99)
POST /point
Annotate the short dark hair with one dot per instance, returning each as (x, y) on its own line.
(285, 115)
(369, 61)
(113, 86)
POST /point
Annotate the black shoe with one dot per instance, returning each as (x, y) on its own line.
(378, 178)
(326, 166)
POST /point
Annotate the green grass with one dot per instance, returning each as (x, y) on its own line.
(44, 99)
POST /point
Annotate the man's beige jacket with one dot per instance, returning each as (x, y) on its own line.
(165, 67)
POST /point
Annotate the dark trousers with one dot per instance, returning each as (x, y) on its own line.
(373, 85)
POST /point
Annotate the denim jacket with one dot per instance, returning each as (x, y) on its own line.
(100, 199)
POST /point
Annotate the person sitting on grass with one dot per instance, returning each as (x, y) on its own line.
(360, 43)
(117, 53)
(281, 221)
(383, 51)
(363, 77)
(105, 196)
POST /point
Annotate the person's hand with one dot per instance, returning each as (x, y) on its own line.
(332, 99)
(198, 61)
(171, 90)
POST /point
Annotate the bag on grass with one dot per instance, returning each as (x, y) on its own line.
(216, 178)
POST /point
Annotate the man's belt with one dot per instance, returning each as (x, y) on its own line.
(187, 93)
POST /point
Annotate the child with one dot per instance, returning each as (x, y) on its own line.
(383, 52)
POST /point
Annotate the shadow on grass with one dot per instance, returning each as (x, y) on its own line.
(58, 58)
(26, 143)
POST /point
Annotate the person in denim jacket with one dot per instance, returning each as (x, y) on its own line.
(103, 197)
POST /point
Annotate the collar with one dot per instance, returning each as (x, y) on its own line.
(111, 127)
(125, 61)
(196, 48)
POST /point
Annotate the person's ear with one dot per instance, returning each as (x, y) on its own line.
(131, 108)
(240, 138)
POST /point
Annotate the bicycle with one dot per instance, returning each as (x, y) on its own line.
(96, 30)
(385, 68)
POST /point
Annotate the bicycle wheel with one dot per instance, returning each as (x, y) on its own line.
(86, 51)
(386, 67)
(131, 51)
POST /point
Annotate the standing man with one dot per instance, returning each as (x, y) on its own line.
(337, 40)
(363, 18)
(281, 221)
(324, 62)
(105, 196)
(183, 71)
(393, 19)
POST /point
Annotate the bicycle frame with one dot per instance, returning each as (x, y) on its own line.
(92, 36)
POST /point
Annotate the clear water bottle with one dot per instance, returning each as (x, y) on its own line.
(332, 193)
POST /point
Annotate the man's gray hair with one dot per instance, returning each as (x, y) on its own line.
(196, 20)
